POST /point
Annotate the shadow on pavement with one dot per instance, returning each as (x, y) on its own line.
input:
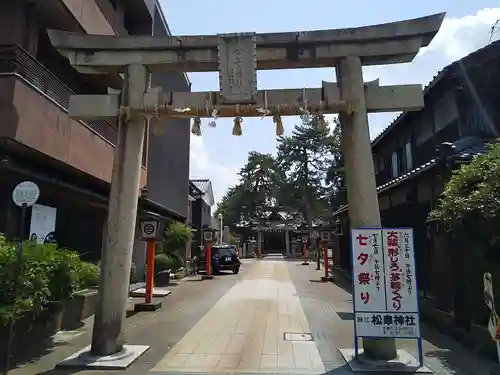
(453, 356)
(32, 352)
(61, 371)
(344, 370)
(445, 351)
(172, 284)
(224, 273)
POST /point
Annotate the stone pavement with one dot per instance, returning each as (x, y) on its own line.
(256, 322)
(245, 332)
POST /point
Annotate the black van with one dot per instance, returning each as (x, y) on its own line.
(224, 258)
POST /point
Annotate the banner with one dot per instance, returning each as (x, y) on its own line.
(385, 285)
(43, 223)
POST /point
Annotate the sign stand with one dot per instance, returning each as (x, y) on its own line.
(24, 195)
(385, 299)
(151, 231)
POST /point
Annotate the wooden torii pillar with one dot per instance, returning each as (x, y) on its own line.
(237, 57)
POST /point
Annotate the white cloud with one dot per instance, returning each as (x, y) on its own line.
(203, 166)
(460, 36)
(457, 37)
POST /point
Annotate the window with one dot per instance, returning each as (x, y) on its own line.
(401, 161)
(394, 164)
(408, 156)
(225, 251)
(382, 163)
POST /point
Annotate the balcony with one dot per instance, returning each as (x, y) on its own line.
(16, 61)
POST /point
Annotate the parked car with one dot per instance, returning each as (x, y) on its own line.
(223, 258)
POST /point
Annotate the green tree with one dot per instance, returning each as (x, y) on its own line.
(256, 190)
(471, 198)
(230, 206)
(306, 157)
(177, 236)
(335, 174)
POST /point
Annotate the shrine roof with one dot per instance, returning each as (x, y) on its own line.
(278, 215)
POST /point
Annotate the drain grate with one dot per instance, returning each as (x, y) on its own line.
(290, 336)
(345, 315)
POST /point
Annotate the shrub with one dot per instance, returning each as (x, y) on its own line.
(32, 291)
(169, 261)
(470, 202)
(178, 235)
(177, 261)
(49, 274)
(88, 274)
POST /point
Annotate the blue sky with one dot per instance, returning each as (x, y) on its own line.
(218, 155)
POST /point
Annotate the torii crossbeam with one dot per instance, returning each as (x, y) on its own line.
(237, 57)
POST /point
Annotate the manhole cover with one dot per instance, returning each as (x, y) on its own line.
(345, 315)
(289, 336)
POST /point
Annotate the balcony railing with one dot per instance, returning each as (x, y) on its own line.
(16, 60)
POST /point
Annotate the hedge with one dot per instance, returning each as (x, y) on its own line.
(49, 274)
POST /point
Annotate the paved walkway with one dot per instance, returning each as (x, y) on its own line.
(239, 324)
(247, 330)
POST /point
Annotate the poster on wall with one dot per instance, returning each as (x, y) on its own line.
(43, 223)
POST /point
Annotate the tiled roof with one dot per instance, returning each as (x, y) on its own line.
(442, 73)
(463, 150)
(193, 189)
(203, 185)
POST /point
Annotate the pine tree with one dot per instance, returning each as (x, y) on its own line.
(306, 157)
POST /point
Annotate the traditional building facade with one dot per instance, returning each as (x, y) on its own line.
(71, 161)
(201, 210)
(414, 158)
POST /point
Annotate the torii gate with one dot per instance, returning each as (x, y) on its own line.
(237, 58)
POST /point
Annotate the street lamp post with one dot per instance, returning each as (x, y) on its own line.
(221, 228)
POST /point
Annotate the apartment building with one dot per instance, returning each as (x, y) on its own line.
(71, 161)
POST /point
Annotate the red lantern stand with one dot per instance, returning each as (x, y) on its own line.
(304, 251)
(325, 241)
(208, 239)
(151, 231)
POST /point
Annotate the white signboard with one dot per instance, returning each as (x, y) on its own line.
(43, 223)
(368, 270)
(385, 283)
(27, 193)
(149, 229)
(387, 324)
(399, 260)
